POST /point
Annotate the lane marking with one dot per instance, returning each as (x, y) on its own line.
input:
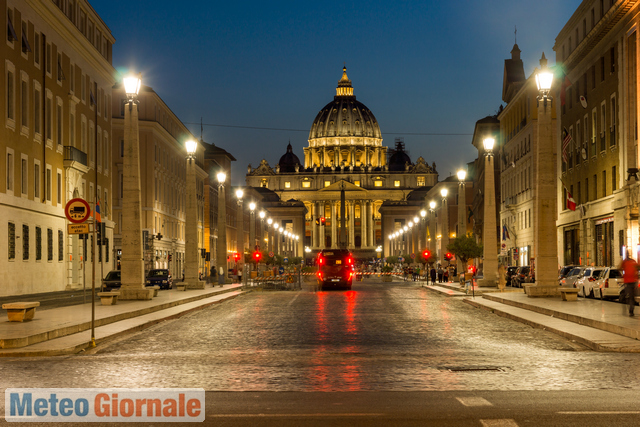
(599, 412)
(293, 415)
(499, 423)
(294, 298)
(473, 401)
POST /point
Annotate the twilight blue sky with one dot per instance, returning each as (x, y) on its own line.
(420, 66)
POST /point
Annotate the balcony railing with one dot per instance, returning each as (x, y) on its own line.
(75, 155)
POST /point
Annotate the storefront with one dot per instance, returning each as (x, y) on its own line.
(604, 241)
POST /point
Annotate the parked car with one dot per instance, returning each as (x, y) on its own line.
(587, 280)
(521, 276)
(111, 281)
(570, 279)
(610, 285)
(531, 276)
(509, 274)
(160, 277)
(564, 271)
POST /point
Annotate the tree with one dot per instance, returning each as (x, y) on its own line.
(465, 248)
(392, 259)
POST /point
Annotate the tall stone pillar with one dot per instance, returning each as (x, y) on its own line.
(352, 222)
(315, 226)
(323, 239)
(372, 226)
(363, 224)
(444, 238)
(192, 257)
(462, 219)
(334, 225)
(132, 259)
(221, 258)
(489, 230)
(545, 245)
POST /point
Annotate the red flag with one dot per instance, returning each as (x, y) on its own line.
(571, 204)
(97, 212)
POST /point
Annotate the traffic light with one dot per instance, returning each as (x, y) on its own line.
(426, 254)
(236, 256)
(257, 256)
(448, 256)
(322, 220)
(317, 221)
(169, 257)
(99, 233)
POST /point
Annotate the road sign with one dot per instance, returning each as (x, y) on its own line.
(281, 270)
(77, 210)
(270, 254)
(413, 256)
(78, 228)
(286, 260)
(401, 259)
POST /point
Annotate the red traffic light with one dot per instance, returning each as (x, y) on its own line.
(257, 256)
(236, 256)
(448, 256)
(426, 254)
(322, 220)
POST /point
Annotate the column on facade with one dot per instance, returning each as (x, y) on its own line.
(372, 226)
(322, 236)
(306, 157)
(323, 161)
(334, 225)
(314, 225)
(363, 224)
(352, 214)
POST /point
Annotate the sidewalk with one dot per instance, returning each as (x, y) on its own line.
(67, 330)
(599, 325)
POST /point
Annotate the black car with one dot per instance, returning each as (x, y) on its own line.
(112, 281)
(509, 274)
(564, 271)
(160, 277)
(521, 275)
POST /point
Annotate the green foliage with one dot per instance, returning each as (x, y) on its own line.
(465, 248)
(387, 268)
(392, 259)
(423, 260)
(295, 260)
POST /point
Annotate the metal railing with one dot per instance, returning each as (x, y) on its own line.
(73, 154)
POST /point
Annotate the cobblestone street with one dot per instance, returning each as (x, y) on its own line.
(394, 337)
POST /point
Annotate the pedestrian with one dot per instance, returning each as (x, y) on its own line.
(221, 276)
(446, 275)
(440, 274)
(630, 278)
(433, 274)
(235, 274)
(405, 271)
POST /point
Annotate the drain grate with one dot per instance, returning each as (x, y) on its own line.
(473, 368)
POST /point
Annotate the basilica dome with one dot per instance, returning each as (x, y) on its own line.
(289, 161)
(344, 120)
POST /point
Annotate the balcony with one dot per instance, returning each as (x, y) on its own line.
(75, 159)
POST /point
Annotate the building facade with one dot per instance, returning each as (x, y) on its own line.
(345, 152)
(56, 143)
(598, 51)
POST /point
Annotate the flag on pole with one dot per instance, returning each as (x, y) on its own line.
(571, 204)
(505, 233)
(98, 218)
(566, 140)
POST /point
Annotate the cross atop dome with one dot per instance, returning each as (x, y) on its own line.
(344, 85)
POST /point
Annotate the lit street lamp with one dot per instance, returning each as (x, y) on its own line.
(462, 218)
(489, 230)
(432, 230)
(269, 235)
(423, 231)
(252, 226)
(191, 277)
(240, 229)
(132, 260)
(444, 240)
(221, 258)
(545, 261)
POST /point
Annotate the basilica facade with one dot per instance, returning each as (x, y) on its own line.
(346, 152)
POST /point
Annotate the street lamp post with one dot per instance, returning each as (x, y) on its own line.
(417, 245)
(252, 226)
(260, 244)
(431, 225)
(132, 259)
(489, 230)
(192, 258)
(545, 246)
(462, 207)
(221, 258)
(423, 231)
(240, 229)
(444, 238)
(269, 235)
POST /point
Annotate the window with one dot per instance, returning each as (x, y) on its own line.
(49, 244)
(24, 104)
(49, 117)
(48, 59)
(36, 181)
(60, 245)
(72, 78)
(36, 50)
(612, 127)
(24, 187)
(59, 193)
(38, 243)
(48, 183)
(60, 73)
(306, 184)
(356, 183)
(586, 190)
(264, 183)
(59, 123)
(11, 32)
(12, 241)
(603, 125)
(604, 183)
(396, 183)
(37, 95)
(10, 172)
(421, 181)
(287, 184)
(25, 242)
(377, 183)
(327, 183)
(614, 179)
(595, 187)
(10, 95)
